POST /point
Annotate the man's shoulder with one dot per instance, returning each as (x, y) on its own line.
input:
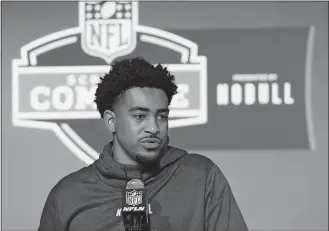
(198, 161)
(74, 180)
(204, 167)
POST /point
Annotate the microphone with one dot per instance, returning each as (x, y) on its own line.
(135, 206)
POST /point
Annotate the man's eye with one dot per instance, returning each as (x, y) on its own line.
(139, 117)
(163, 117)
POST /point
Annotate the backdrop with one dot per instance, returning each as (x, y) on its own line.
(253, 89)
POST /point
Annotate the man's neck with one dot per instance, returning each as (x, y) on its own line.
(120, 155)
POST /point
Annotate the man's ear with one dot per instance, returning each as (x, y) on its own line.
(109, 119)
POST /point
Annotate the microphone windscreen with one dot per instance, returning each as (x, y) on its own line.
(135, 184)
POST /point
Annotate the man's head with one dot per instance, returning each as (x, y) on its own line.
(134, 98)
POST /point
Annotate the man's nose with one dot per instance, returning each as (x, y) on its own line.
(152, 126)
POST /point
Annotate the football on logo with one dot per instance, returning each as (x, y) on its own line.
(55, 79)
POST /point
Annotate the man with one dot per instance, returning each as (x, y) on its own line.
(185, 191)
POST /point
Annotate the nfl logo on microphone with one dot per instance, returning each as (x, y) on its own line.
(134, 198)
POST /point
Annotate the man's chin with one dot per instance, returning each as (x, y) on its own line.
(150, 155)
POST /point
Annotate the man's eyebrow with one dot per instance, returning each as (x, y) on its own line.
(147, 109)
(163, 110)
(139, 109)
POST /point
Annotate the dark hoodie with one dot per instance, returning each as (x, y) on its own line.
(185, 192)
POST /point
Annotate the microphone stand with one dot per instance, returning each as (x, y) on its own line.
(135, 224)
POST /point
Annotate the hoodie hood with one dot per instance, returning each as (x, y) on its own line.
(116, 174)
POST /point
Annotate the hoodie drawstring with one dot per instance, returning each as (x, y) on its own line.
(126, 175)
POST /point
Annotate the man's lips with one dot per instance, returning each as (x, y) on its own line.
(150, 140)
(150, 143)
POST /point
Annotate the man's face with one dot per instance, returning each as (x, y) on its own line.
(141, 122)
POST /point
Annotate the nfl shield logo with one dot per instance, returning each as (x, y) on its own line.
(134, 198)
(108, 28)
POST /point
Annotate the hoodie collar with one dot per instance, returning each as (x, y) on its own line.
(116, 174)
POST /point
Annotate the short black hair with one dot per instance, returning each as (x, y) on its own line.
(129, 73)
